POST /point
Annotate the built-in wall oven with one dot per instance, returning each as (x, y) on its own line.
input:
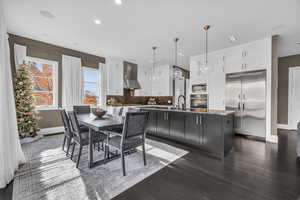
(199, 88)
(199, 97)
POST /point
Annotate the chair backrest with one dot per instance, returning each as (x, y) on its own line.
(134, 125)
(82, 109)
(74, 123)
(66, 122)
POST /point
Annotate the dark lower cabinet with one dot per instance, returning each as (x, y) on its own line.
(193, 129)
(212, 138)
(151, 126)
(177, 126)
(211, 133)
(163, 124)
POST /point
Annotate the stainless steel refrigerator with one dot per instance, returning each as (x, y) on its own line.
(246, 95)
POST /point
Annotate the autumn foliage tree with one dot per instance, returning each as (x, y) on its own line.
(25, 102)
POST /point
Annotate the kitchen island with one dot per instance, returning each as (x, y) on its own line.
(211, 131)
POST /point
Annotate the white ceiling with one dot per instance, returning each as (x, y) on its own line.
(129, 31)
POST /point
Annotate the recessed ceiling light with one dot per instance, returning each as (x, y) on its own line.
(46, 14)
(118, 2)
(97, 21)
(232, 38)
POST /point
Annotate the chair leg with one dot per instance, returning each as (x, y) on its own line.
(64, 143)
(79, 154)
(123, 163)
(105, 153)
(68, 144)
(73, 151)
(144, 155)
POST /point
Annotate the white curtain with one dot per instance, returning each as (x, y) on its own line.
(72, 91)
(103, 84)
(20, 55)
(11, 154)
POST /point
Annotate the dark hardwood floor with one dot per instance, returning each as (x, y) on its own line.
(6, 193)
(252, 171)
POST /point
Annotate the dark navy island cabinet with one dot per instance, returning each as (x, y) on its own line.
(211, 133)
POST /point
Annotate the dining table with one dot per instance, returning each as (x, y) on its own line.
(99, 125)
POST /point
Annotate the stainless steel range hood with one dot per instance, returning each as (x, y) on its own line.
(130, 76)
(132, 84)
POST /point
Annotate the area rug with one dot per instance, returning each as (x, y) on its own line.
(50, 175)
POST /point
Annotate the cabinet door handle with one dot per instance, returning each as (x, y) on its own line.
(200, 120)
(197, 119)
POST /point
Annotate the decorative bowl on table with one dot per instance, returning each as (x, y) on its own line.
(98, 112)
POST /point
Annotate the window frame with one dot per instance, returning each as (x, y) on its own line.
(54, 80)
(84, 68)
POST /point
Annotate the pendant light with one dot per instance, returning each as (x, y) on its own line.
(154, 61)
(204, 68)
(177, 74)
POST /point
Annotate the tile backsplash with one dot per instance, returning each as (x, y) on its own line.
(143, 100)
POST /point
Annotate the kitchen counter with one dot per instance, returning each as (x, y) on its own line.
(172, 109)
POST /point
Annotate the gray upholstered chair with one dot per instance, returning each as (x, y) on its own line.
(84, 109)
(298, 145)
(133, 135)
(82, 137)
(68, 134)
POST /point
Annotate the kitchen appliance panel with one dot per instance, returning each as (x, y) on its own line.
(253, 103)
(199, 88)
(199, 100)
(233, 98)
(246, 95)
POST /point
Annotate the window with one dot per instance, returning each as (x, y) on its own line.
(44, 74)
(91, 86)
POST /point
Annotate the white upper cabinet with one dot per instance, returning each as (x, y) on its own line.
(248, 57)
(196, 74)
(162, 81)
(233, 59)
(255, 55)
(216, 81)
(145, 80)
(155, 83)
(115, 70)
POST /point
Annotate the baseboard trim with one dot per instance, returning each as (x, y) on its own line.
(285, 126)
(51, 131)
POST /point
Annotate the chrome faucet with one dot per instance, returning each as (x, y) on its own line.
(183, 106)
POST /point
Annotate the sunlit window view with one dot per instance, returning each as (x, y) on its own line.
(91, 86)
(42, 75)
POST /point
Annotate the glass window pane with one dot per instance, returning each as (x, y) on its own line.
(43, 98)
(43, 83)
(90, 76)
(42, 75)
(91, 93)
(41, 69)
